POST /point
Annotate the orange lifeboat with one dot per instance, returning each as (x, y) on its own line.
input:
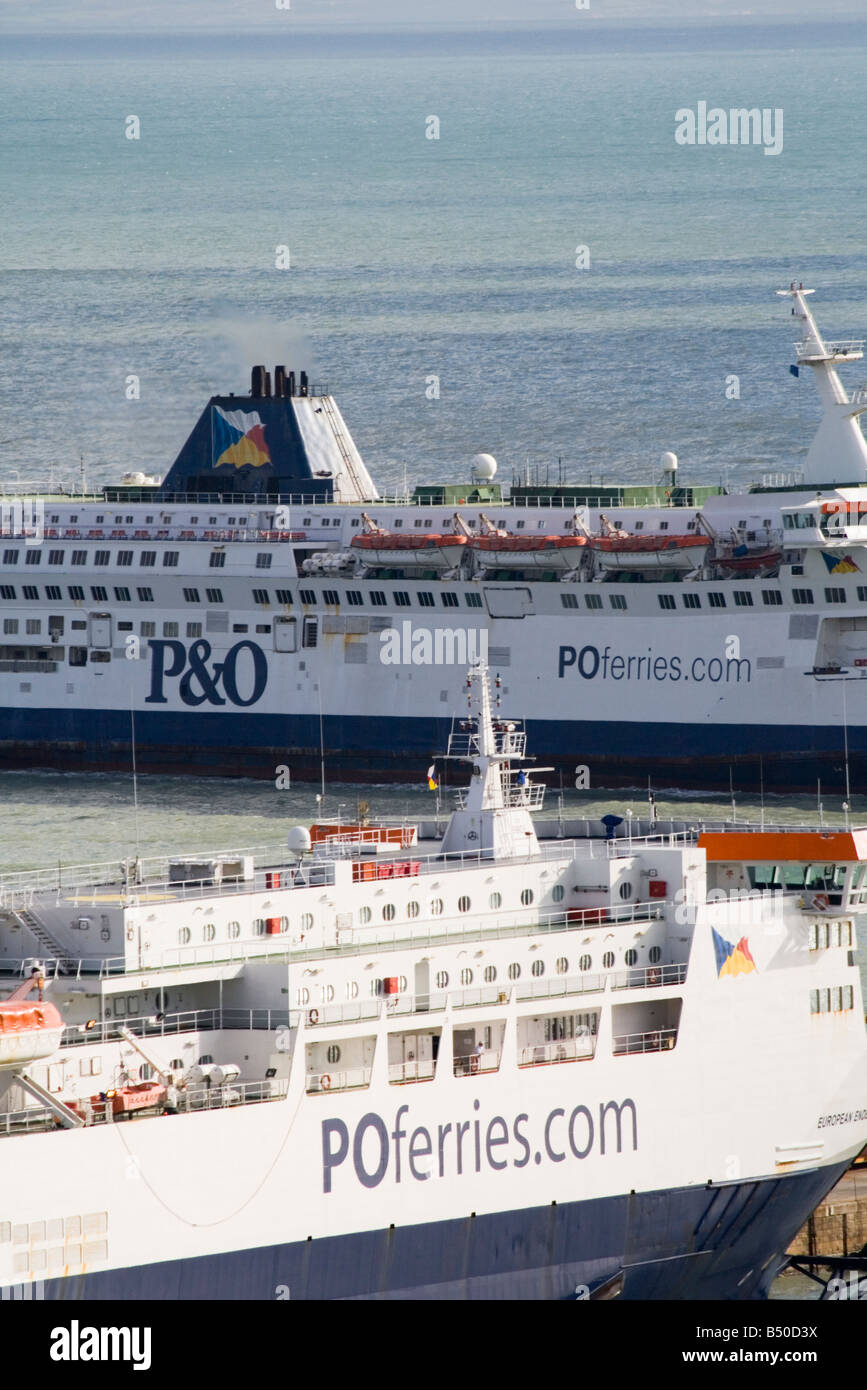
(28, 1031)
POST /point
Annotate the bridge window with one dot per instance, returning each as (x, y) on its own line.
(449, 600)
(618, 601)
(261, 596)
(691, 600)
(147, 559)
(121, 595)
(263, 560)
(79, 557)
(144, 595)
(717, 600)
(426, 600)
(743, 599)
(191, 595)
(473, 600)
(170, 559)
(217, 559)
(567, 600)
(835, 595)
(401, 598)
(772, 598)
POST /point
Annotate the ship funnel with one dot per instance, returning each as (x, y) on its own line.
(280, 381)
(257, 382)
(303, 388)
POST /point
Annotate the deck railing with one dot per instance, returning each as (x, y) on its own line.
(659, 1040)
(567, 1050)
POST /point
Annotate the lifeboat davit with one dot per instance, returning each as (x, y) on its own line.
(750, 562)
(529, 552)
(28, 1031)
(393, 550)
(631, 552)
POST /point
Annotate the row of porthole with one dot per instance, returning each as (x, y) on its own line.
(437, 907)
(233, 929)
(561, 966)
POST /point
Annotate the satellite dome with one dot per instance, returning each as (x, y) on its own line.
(299, 840)
(669, 462)
(484, 468)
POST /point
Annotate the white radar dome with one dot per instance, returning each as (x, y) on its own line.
(669, 462)
(299, 840)
(484, 467)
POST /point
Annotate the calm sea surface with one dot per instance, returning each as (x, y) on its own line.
(413, 258)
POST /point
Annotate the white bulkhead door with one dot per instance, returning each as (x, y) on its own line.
(285, 635)
(100, 631)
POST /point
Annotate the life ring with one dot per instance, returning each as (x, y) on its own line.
(654, 976)
(130, 934)
(313, 1016)
(325, 1082)
(821, 902)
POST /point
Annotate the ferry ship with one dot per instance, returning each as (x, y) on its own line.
(392, 1065)
(263, 604)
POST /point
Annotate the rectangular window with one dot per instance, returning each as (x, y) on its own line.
(79, 557)
(191, 595)
(217, 559)
(354, 597)
(52, 591)
(448, 599)
(426, 600)
(30, 591)
(101, 557)
(33, 626)
(804, 595)
(263, 627)
(98, 593)
(743, 599)
(310, 632)
(10, 557)
(78, 656)
(472, 600)
(835, 595)
(567, 600)
(284, 596)
(401, 598)
(34, 557)
(862, 592)
(124, 559)
(149, 630)
(147, 559)
(8, 591)
(691, 600)
(619, 601)
(772, 598)
(593, 600)
(377, 598)
(145, 595)
(307, 595)
(263, 560)
(213, 595)
(848, 997)
(194, 629)
(122, 595)
(55, 557)
(169, 630)
(261, 596)
(76, 593)
(10, 626)
(665, 600)
(330, 596)
(170, 559)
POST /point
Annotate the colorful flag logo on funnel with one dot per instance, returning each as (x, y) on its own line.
(732, 960)
(840, 564)
(239, 439)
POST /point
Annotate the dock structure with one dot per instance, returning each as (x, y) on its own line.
(832, 1244)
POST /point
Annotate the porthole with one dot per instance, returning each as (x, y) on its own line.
(562, 965)
(284, 925)
(364, 915)
(205, 1060)
(326, 993)
(625, 891)
(184, 936)
(655, 954)
(176, 1064)
(306, 921)
(585, 963)
(495, 900)
(333, 1055)
(514, 971)
(388, 912)
(401, 983)
(352, 989)
(558, 892)
(538, 967)
(209, 931)
(631, 957)
(234, 931)
(490, 974)
(526, 896)
(302, 996)
(259, 926)
(436, 907)
(608, 959)
(463, 904)
(442, 979)
(466, 977)
(412, 909)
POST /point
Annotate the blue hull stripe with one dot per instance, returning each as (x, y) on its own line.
(392, 748)
(687, 1243)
